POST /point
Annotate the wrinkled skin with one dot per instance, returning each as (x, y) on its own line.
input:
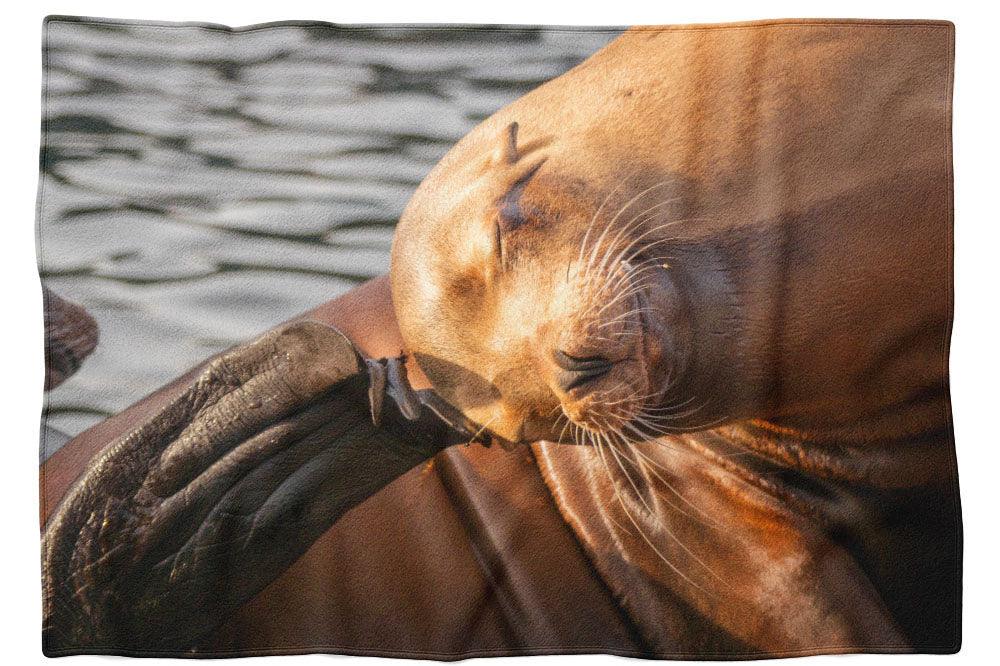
(263, 451)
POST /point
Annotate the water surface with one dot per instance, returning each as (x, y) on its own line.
(201, 186)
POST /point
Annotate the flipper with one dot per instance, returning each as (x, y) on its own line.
(70, 336)
(188, 515)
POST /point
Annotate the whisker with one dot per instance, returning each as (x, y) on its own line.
(655, 549)
(669, 533)
(634, 222)
(637, 220)
(593, 219)
(481, 430)
(702, 516)
(614, 219)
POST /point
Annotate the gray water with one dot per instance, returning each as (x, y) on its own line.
(201, 186)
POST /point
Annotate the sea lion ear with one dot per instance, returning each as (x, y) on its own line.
(506, 150)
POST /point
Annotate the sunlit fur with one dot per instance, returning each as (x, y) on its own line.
(753, 254)
(612, 276)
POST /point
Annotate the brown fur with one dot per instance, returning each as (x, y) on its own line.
(809, 295)
(798, 219)
(800, 299)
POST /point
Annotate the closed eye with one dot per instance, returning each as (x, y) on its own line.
(498, 241)
(511, 216)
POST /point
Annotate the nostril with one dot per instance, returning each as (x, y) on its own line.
(578, 370)
(577, 363)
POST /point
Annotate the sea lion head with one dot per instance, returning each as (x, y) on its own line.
(540, 304)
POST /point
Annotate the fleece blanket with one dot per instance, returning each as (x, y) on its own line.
(451, 341)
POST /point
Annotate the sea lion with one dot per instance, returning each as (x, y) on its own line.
(711, 232)
(774, 531)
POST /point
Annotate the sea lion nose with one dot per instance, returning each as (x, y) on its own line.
(575, 371)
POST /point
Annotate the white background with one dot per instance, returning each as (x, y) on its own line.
(975, 370)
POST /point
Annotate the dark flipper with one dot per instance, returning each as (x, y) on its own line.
(180, 521)
(70, 336)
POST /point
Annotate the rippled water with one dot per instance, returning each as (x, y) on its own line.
(201, 186)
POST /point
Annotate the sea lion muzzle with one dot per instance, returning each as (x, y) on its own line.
(576, 371)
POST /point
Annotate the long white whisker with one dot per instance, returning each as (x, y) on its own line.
(636, 221)
(611, 223)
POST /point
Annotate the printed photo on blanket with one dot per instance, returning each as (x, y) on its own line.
(444, 341)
